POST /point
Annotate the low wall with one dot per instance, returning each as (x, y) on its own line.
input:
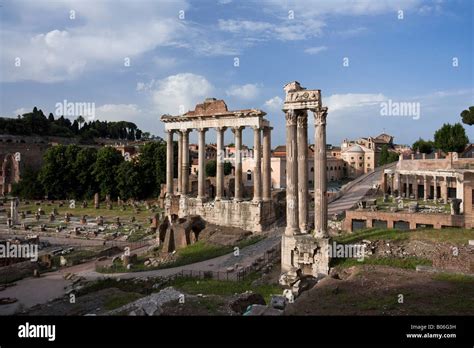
(437, 220)
(248, 215)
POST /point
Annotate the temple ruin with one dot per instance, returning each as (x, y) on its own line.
(253, 215)
(302, 252)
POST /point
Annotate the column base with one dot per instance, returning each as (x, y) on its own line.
(305, 254)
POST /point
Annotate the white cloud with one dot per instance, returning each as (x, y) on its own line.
(288, 30)
(274, 104)
(319, 8)
(315, 50)
(97, 37)
(118, 112)
(337, 102)
(179, 93)
(245, 92)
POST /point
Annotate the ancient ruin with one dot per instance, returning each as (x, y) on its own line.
(302, 252)
(254, 214)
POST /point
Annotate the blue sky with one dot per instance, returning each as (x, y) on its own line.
(177, 62)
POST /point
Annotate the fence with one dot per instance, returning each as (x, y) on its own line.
(239, 274)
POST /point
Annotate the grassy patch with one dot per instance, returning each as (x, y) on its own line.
(117, 301)
(406, 263)
(451, 235)
(225, 287)
(455, 278)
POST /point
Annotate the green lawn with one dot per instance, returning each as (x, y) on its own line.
(406, 263)
(225, 287)
(452, 235)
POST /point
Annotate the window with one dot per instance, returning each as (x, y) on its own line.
(249, 175)
(360, 165)
(360, 158)
(368, 164)
(312, 169)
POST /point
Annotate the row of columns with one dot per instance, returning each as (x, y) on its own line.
(262, 172)
(297, 173)
(404, 178)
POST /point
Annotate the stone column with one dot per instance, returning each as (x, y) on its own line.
(267, 168)
(320, 199)
(302, 144)
(444, 189)
(180, 161)
(407, 190)
(257, 173)
(201, 161)
(292, 225)
(415, 187)
(169, 163)
(425, 188)
(435, 191)
(238, 163)
(392, 184)
(220, 163)
(398, 183)
(185, 165)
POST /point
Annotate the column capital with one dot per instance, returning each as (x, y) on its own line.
(302, 120)
(185, 131)
(237, 129)
(291, 117)
(221, 129)
(320, 116)
(170, 131)
(257, 128)
(202, 130)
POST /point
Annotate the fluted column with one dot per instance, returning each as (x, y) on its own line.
(320, 179)
(201, 161)
(185, 163)
(238, 163)
(267, 168)
(257, 171)
(180, 161)
(169, 163)
(302, 143)
(425, 188)
(220, 163)
(292, 224)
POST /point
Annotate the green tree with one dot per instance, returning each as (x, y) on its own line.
(451, 138)
(468, 116)
(227, 168)
(423, 146)
(129, 180)
(29, 186)
(80, 120)
(53, 175)
(211, 168)
(105, 169)
(83, 169)
(387, 156)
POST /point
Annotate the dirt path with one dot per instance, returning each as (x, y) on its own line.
(32, 291)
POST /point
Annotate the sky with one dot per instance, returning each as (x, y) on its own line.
(137, 60)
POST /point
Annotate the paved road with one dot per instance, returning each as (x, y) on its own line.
(355, 193)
